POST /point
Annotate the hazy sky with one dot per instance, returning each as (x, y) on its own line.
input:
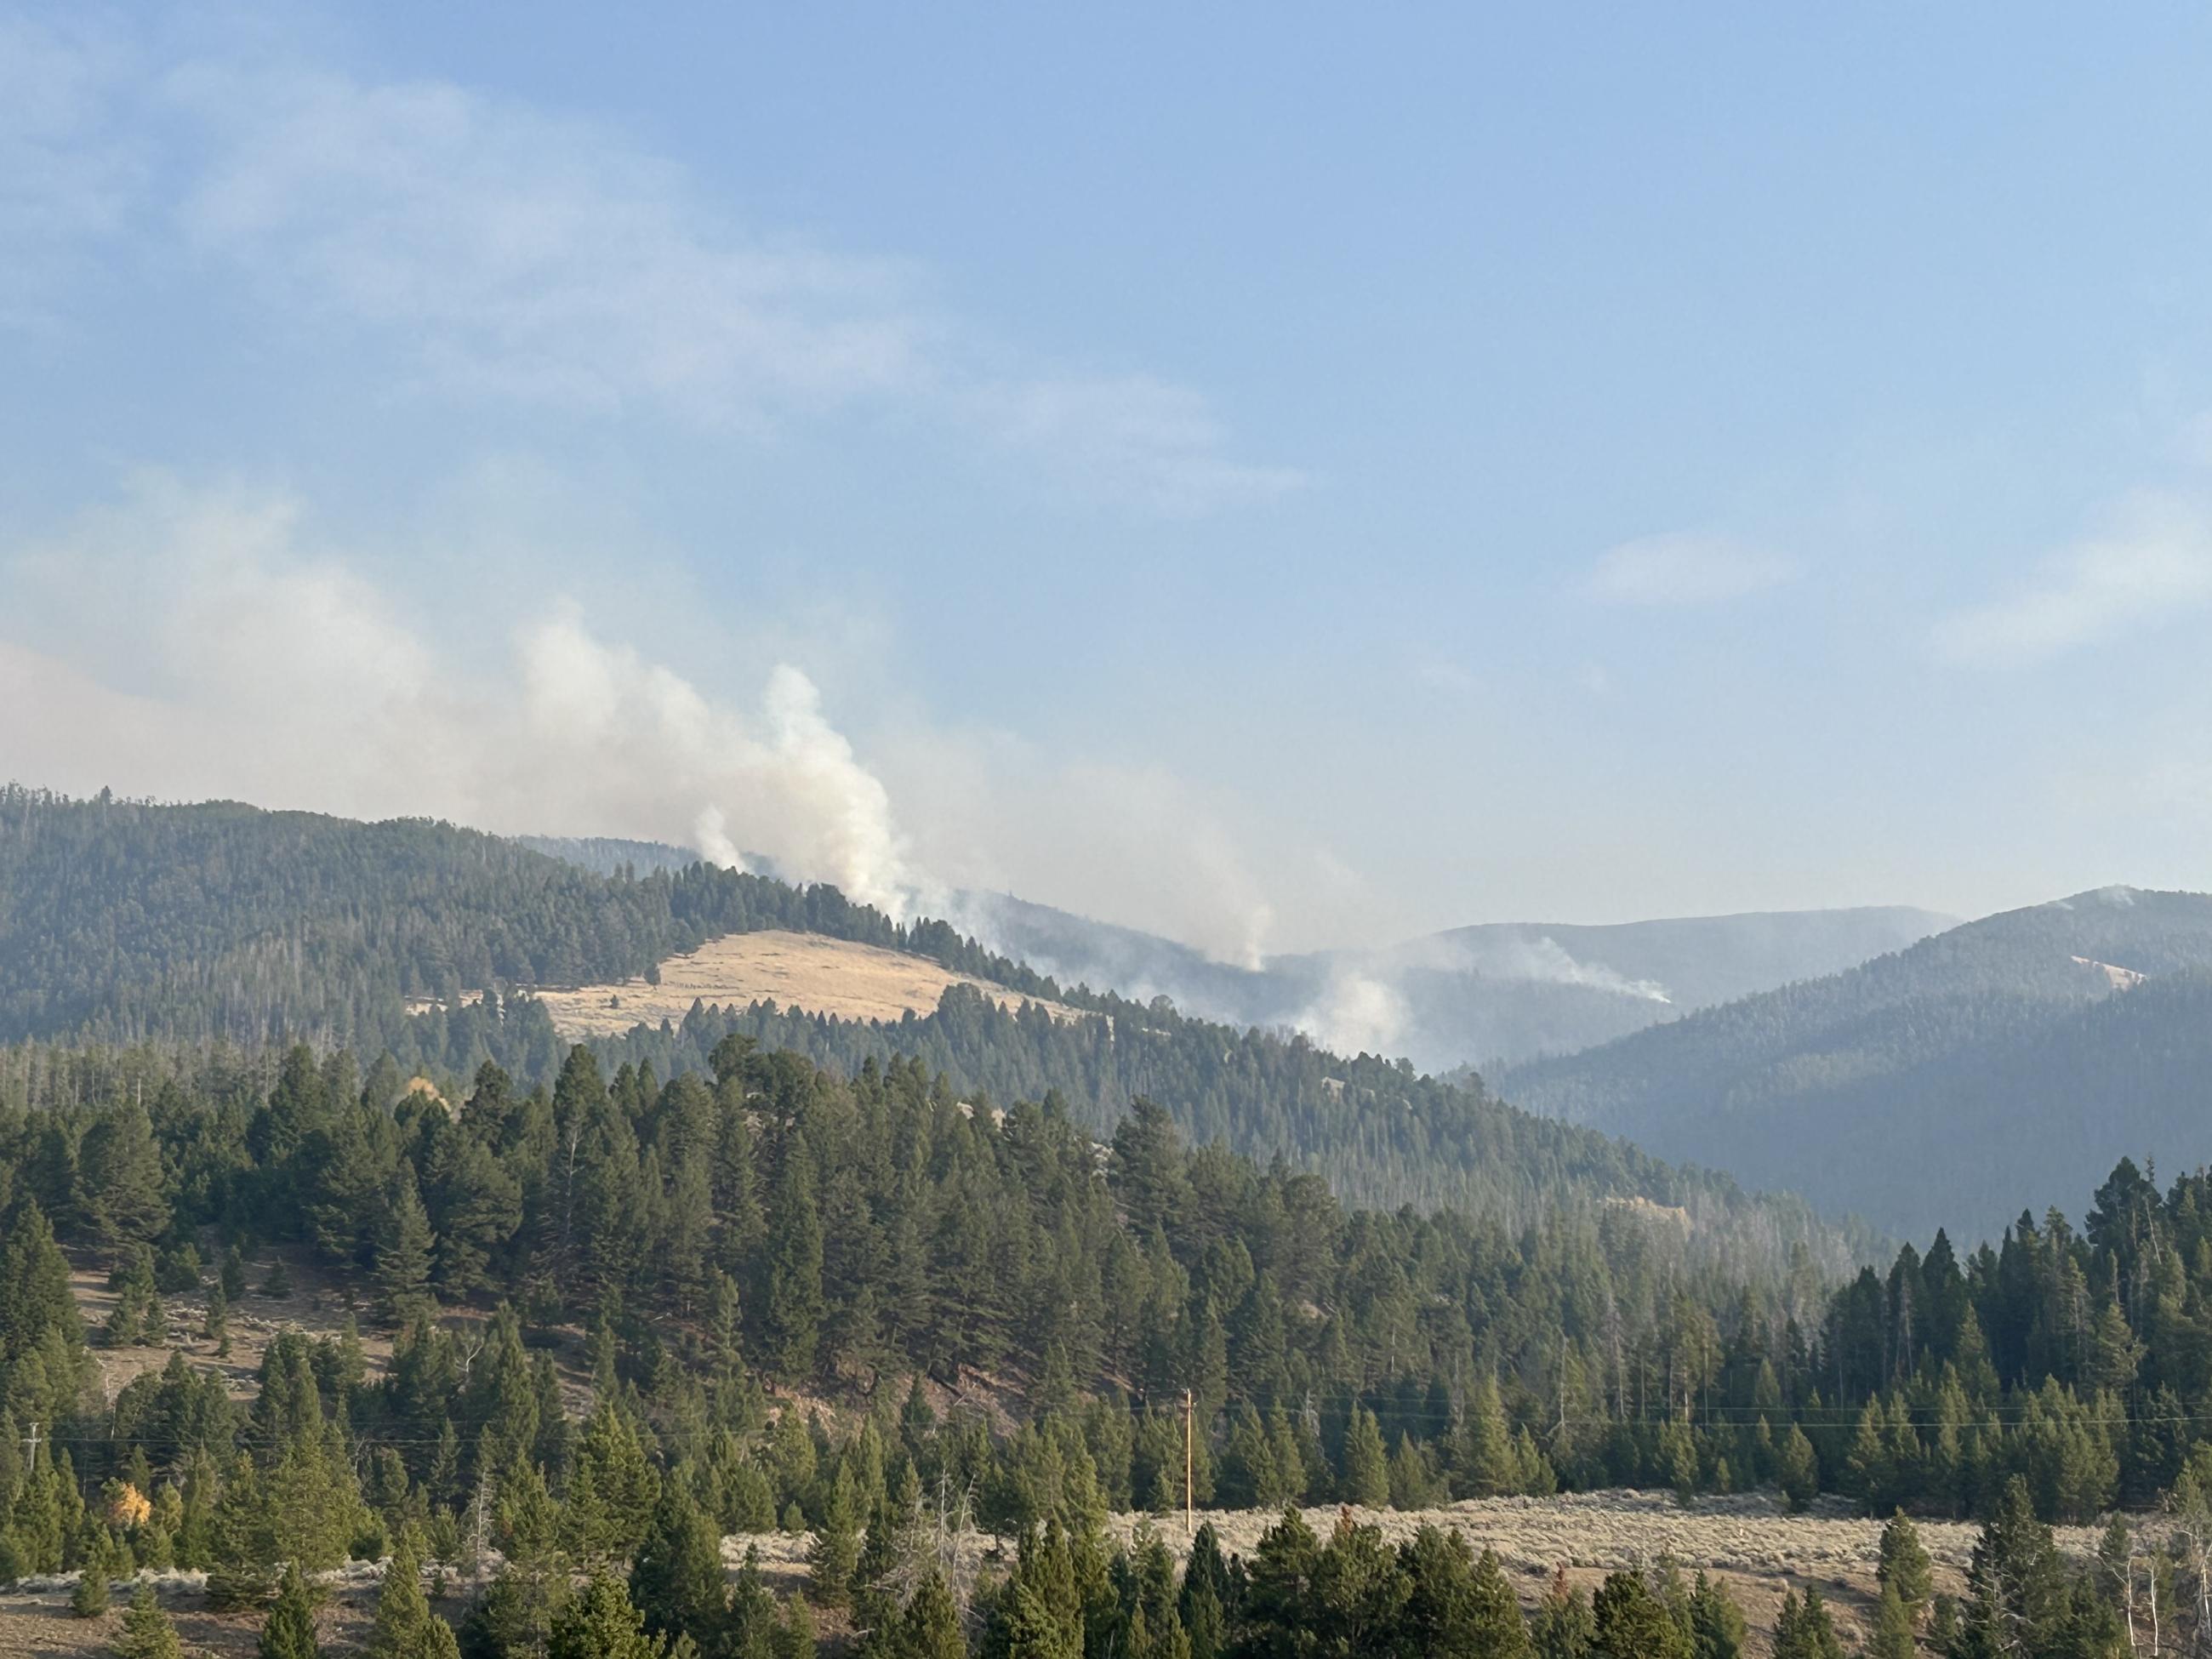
(1275, 475)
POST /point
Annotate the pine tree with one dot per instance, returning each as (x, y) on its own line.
(1868, 1473)
(217, 1326)
(1718, 1627)
(1903, 1565)
(1029, 1630)
(1803, 1629)
(1483, 1458)
(1627, 1618)
(402, 1252)
(1366, 1464)
(613, 1488)
(146, 1632)
(1892, 1628)
(1456, 1604)
(405, 1628)
(930, 1627)
(289, 1632)
(676, 1581)
(837, 1550)
(792, 1638)
(1563, 1627)
(1798, 1470)
(794, 1273)
(90, 1597)
(232, 1273)
(600, 1623)
(2016, 1581)
(119, 1178)
(34, 1286)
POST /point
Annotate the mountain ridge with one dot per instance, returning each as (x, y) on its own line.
(1909, 1087)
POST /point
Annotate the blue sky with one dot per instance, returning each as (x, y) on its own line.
(1279, 476)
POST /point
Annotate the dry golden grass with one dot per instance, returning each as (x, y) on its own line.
(1750, 1544)
(314, 1305)
(793, 970)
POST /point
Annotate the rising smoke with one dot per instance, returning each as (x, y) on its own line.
(185, 647)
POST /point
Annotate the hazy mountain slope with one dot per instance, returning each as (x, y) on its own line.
(1943, 1084)
(186, 924)
(123, 920)
(1695, 961)
(609, 855)
(1473, 995)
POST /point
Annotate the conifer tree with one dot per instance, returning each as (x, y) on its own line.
(1803, 1629)
(1367, 1478)
(289, 1632)
(794, 1273)
(930, 1627)
(1718, 1627)
(405, 1628)
(1798, 1470)
(146, 1632)
(90, 1597)
(402, 1252)
(612, 1488)
(232, 1273)
(1454, 1603)
(677, 1582)
(600, 1623)
(2016, 1583)
(242, 1543)
(1484, 1464)
(1627, 1618)
(836, 1549)
(1903, 1565)
(120, 1179)
(793, 1636)
(1564, 1626)
(1892, 1628)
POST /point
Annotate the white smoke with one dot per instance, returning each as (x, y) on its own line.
(1355, 1013)
(188, 646)
(1546, 960)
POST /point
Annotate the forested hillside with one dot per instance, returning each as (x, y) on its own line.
(1947, 1084)
(725, 1240)
(182, 924)
(1470, 996)
(126, 919)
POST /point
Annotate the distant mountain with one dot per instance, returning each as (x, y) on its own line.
(1943, 1084)
(1495, 992)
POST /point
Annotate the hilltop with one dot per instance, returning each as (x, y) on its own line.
(1942, 1084)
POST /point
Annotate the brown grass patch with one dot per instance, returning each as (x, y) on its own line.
(793, 970)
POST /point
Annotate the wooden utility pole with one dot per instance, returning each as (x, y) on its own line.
(1190, 1508)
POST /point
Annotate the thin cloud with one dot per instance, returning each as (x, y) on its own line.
(2153, 565)
(1684, 569)
(66, 177)
(1132, 435)
(491, 251)
(512, 254)
(527, 255)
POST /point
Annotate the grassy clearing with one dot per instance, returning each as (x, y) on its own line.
(793, 970)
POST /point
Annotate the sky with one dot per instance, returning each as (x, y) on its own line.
(1279, 477)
